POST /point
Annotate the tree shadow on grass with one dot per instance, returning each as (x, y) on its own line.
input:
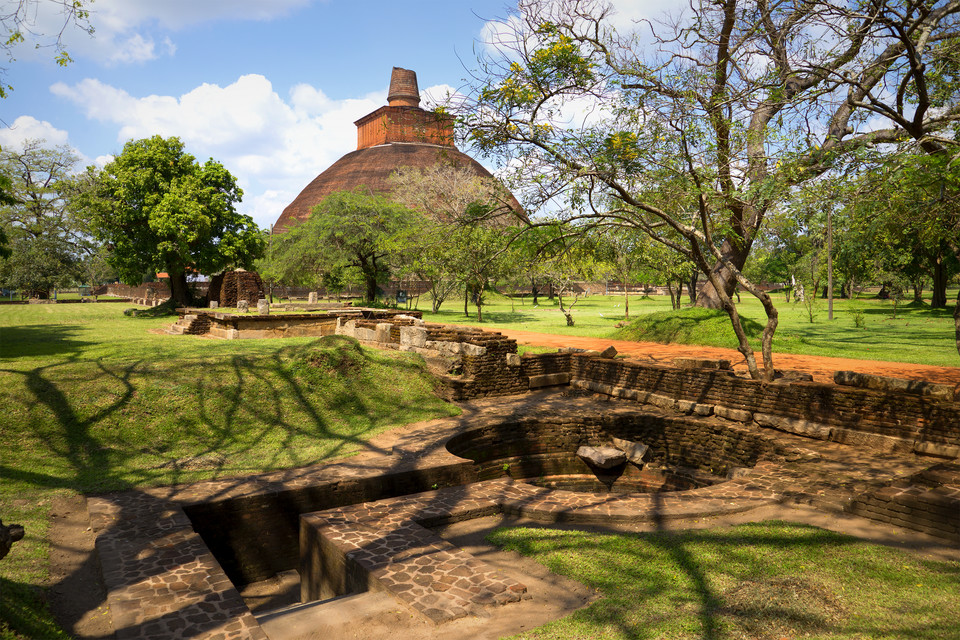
(37, 340)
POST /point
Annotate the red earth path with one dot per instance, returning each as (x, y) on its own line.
(821, 367)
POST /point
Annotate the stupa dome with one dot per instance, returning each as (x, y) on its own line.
(400, 134)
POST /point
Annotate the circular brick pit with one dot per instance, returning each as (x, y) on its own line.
(683, 454)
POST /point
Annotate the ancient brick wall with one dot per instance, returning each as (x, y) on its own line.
(905, 416)
(545, 363)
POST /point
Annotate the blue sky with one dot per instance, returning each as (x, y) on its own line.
(270, 88)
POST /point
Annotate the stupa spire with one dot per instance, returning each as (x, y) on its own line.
(403, 88)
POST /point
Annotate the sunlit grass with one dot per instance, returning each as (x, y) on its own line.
(771, 580)
(918, 334)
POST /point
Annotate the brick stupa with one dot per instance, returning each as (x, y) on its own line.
(400, 134)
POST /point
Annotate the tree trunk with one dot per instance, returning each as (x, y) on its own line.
(708, 297)
(692, 285)
(179, 291)
(626, 303)
(917, 285)
(956, 323)
(939, 287)
(466, 300)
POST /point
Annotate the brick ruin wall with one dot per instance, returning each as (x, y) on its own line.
(901, 420)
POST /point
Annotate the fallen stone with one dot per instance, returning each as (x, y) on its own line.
(214, 304)
(633, 450)
(263, 307)
(602, 457)
(609, 353)
(244, 307)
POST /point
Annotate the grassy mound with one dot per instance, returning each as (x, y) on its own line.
(694, 325)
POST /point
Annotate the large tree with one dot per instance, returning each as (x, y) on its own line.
(46, 241)
(158, 209)
(737, 101)
(348, 230)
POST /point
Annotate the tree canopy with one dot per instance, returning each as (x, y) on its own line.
(347, 231)
(44, 241)
(161, 210)
(729, 106)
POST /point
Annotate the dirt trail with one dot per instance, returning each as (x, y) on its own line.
(820, 367)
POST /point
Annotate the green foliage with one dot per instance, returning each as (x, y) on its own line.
(350, 233)
(161, 210)
(43, 241)
(21, 16)
(764, 580)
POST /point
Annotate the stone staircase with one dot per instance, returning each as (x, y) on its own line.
(190, 324)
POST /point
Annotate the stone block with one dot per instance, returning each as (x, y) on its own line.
(312, 297)
(263, 307)
(413, 336)
(549, 380)
(664, 402)
(382, 332)
(513, 360)
(685, 406)
(873, 441)
(633, 450)
(936, 449)
(367, 335)
(243, 306)
(602, 457)
(214, 304)
(473, 350)
(700, 409)
(738, 415)
(794, 425)
(446, 348)
(609, 353)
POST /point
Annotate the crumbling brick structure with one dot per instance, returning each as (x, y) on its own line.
(230, 287)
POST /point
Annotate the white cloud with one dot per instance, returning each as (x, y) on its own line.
(29, 128)
(134, 31)
(121, 15)
(274, 146)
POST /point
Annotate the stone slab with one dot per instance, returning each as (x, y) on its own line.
(602, 457)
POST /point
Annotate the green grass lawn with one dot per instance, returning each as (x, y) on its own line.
(94, 401)
(768, 581)
(918, 334)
